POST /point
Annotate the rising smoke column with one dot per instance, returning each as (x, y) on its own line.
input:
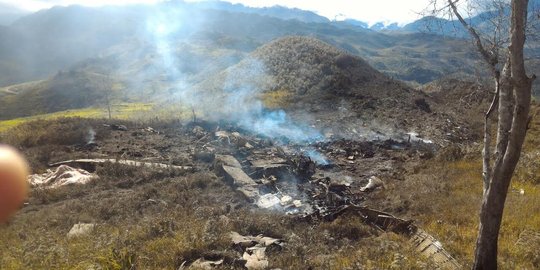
(238, 97)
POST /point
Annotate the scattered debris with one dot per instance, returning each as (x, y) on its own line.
(62, 176)
(91, 163)
(233, 138)
(204, 264)
(428, 246)
(116, 127)
(286, 178)
(199, 132)
(317, 181)
(81, 229)
(268, 201)
(255, 249)
(415, 137)
(151, 130)
(231, 170)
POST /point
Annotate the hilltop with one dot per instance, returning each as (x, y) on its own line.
(65, 90)
(315, 82)
(340, 92)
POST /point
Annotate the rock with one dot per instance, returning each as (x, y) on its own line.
(80, 229)
(119, 127)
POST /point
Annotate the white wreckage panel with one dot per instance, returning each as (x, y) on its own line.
(61, 176)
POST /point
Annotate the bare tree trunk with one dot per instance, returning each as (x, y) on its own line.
(514, 106)
(109, 108)
(486, 152)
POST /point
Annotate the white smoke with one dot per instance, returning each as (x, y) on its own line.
(91, 136)
(237, 98)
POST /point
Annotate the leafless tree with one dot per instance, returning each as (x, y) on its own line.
(105, 86)
(108, 103)
(501, 47)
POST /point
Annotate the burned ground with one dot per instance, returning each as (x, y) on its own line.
(162, 218)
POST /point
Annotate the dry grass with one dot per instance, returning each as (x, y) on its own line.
(119, 111)
(158, 219)
(165, 219)
(446, 200)
(277, 99)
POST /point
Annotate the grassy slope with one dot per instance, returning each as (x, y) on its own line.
(443, 196)
(185, 219)
(119, 111)
(446, 200)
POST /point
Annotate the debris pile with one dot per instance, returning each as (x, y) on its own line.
(255, 249)
(254, 252)
(318, 182)
(310, 181)
(305, 180)
(90, 164)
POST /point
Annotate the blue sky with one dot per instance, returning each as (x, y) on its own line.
(371, 11)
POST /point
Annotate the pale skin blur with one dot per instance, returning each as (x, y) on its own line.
(13, 182)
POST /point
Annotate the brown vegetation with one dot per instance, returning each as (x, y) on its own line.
(158, 219)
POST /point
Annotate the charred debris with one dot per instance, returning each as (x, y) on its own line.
(317, 181)
(313, 181)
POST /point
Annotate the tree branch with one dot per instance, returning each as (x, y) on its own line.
(490, 58)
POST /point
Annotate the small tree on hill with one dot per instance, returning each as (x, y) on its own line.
(107, 91)
(500, 43)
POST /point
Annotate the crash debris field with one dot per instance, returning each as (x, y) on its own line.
(209, 135)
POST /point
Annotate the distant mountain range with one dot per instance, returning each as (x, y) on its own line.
(9, 14)
(40, 44)
(212, 36)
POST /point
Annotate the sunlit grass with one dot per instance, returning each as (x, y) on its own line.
(454, 215)
(118, 111)
(277, 99)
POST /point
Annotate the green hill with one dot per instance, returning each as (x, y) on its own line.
(69, 90)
